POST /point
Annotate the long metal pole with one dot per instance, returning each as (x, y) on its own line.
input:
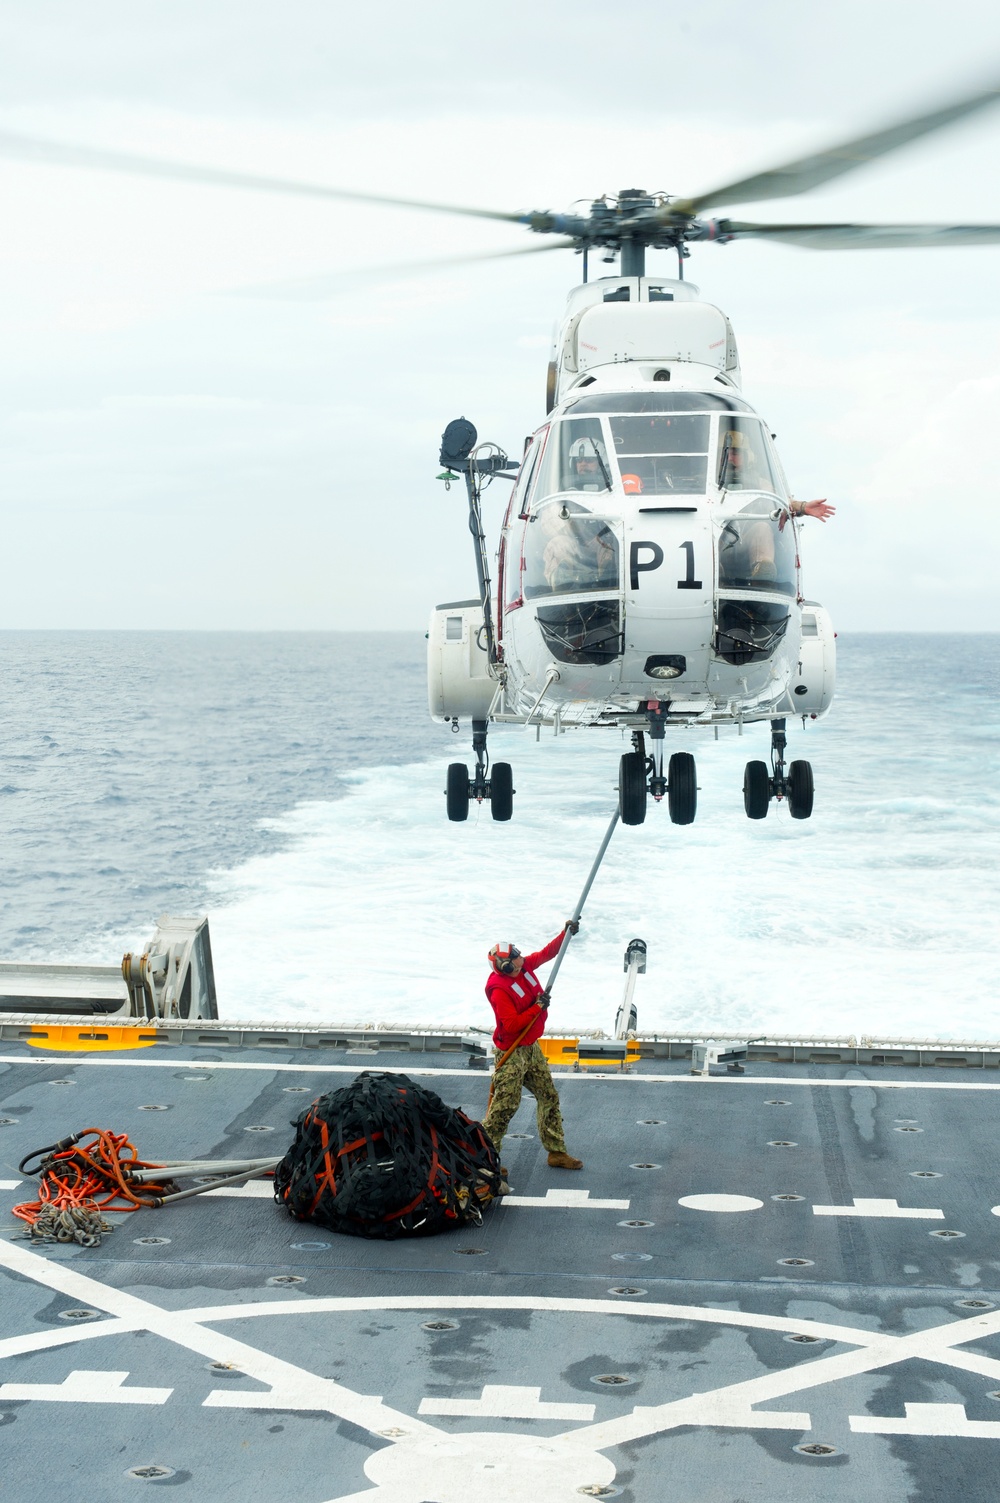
(583, 898)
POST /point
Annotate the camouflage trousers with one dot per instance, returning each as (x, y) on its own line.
(526, 1068)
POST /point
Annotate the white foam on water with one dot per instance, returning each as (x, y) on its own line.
(875, 917)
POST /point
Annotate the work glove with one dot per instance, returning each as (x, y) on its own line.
(543, 1000)
(573, 925)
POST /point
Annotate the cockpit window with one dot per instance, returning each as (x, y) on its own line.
(575, 459)
(659, 455)
(744, 461)
(568, 551)
(755, 551)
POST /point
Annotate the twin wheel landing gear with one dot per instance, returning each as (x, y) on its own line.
(639, 774)
(498, 788)
(761, 784)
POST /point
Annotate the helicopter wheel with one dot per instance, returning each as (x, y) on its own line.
(682, 788)
(501, 791)
(632, 788)
(457, 791)
(756, 790)
(800, 790)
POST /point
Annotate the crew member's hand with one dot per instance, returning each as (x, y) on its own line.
(543, 1000)
(573, 925)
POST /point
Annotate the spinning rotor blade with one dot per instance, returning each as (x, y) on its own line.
(812, 172)
(332, 284)
(863, 236)
(56, 154)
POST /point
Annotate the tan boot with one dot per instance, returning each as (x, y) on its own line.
(564, 1161)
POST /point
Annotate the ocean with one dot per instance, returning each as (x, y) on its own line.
(291, 785)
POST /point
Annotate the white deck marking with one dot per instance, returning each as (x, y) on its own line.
(995, 1211)
(67, 1061)
(302, 1389)
(254, 1189)
(566, 1198)
(85, 1387)
(881, 1208)
(928, 1419)
(9, 1184)
(505, 1401)
(724, 1204)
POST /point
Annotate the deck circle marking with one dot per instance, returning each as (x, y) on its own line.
(474, 1465)
(722, 1204)
(995, 1211)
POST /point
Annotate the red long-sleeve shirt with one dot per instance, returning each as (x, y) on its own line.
(514, 998)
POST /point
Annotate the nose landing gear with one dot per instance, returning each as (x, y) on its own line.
(497, 788)
(640, 774)
(761, 785)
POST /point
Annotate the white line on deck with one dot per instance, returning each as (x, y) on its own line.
(928, 1419)
(880, 1208)
(65, 1061)
(86, 1387)
(565, 1199)
(505, 1401)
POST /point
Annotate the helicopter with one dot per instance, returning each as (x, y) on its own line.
(648, 573)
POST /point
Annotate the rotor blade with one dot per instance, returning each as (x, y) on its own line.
(333, 284)
(57, 154)
(811, 172)
(863, 236)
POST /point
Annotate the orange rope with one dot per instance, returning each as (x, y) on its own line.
(76, 1184)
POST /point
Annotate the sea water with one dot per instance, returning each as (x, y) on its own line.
(292, 786)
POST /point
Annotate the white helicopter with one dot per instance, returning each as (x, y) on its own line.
(648, 572)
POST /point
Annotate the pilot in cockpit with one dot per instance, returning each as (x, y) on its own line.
(588, 466)
(740, 468)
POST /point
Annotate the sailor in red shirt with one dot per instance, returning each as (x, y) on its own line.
(520, 1004)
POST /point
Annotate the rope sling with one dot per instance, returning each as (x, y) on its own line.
(385, 1157)
(79, 1178)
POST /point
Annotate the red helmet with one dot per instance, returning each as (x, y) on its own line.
(503, 955)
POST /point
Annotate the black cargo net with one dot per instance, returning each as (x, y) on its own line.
(384, 1157)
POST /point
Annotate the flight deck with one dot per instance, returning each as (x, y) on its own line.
(782, 1284)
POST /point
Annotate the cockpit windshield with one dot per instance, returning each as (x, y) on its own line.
(757, 552)
(568, 551)
(575, 459)
(743, 462)
(661, 454)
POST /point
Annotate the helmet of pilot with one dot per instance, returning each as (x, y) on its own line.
(585, 465)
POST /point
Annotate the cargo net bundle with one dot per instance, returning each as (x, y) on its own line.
(384, 1157)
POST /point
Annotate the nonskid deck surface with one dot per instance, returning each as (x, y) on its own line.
(630, 1331)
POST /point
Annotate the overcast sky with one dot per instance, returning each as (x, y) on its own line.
(176, 452)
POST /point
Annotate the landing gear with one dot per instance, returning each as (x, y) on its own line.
(760, 785)
(800, 790)
(682, 786)
(632, 788)
(639, 775)
(497, 789)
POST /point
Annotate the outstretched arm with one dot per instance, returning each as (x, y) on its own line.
(820, 509)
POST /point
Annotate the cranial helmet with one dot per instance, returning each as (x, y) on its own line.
(583, 448)
(503, 955)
